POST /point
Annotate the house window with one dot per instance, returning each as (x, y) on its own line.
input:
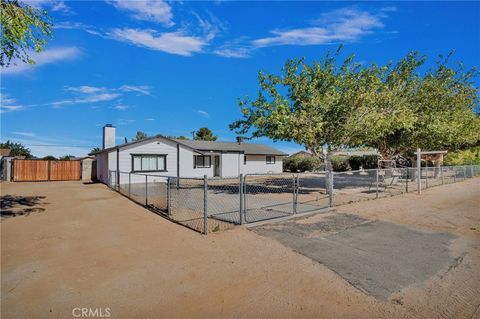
(244, 159)
(202, 161)
(149, 163)
(270, 159)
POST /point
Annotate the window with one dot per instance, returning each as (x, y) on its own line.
(244, 159)
(270, 159)
(202, 161)
(149, 163)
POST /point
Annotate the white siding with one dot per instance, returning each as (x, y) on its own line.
(229, 164)
(187, 166)
(257, 164)
(102, 167)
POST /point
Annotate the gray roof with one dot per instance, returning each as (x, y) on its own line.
(204, 146)
(247, 148)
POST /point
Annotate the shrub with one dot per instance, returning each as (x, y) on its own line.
(301, 164)
(340, 163)
(355, 162)
(370, 161)
(465, 157)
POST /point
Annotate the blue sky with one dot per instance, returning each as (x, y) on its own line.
(172, 67)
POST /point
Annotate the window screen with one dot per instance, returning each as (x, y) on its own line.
(270, 159)
(149, 163)
(202, 161)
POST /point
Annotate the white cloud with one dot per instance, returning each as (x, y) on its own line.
(342, 25)
(54, 5)
(171, 42)
(86, 89)
(92, 98)
(8, 104)
(150, 119)
(48, 56)
(27, 134)
(121, 107)
(203, 113)
(152, 10)
(143, 89)
(233, 52)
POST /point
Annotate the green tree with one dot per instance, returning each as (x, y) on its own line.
(205, 134)
(95, 149)
(17, 149)
(49, 157)
(24, 28)
(139, 136)
(66, 157)
(391, 108)
(181, 137)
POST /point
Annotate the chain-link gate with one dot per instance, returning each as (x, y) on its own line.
(268, 196)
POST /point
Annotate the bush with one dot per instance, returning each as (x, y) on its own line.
(465, 157)
(340, 163)
(301, 164)
(370, 161)
(355, 162)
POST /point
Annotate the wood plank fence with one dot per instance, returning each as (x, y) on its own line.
(45, 170)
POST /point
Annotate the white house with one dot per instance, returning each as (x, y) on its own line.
(164, 156)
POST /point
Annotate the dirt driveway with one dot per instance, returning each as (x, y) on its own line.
(67, 245)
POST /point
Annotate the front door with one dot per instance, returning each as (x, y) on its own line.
(216, 166)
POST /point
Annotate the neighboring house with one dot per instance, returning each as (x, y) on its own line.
(164, 156)
(302, 154)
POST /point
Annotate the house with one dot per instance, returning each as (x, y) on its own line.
(302, 154)
(162, 156)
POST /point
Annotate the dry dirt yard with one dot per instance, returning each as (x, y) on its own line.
(67, 245)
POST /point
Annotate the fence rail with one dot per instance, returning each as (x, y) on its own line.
(213, 204)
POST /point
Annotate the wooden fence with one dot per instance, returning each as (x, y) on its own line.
(45, 170)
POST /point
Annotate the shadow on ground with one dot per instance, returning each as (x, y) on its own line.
(14, 206)
(377, 257)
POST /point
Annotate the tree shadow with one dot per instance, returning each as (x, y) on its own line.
(14, 206)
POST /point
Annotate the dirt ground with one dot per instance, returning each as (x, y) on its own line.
(67, 245)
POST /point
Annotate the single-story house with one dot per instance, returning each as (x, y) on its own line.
(163, 156)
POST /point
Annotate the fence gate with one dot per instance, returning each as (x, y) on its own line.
(268, 197)
(45, 170)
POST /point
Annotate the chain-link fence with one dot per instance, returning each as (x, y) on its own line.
(213, 204)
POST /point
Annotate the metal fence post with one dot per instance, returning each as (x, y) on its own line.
(169, 197)
(240, 190)
(330, 188)
(454, 174)
(129, 185)
(205, 205)
(376, 183)
(419, 171)
(407, 178)
(146, 190)
(426, 176)
(296, 190)
(441, 174)
(464, 172)
(110, 178)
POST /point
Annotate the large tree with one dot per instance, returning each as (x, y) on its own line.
(205, 134)
(24, 29)
(17, 149)
(329, 105)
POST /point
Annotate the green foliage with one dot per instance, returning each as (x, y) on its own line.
(205, 134)
(181, 137)
(391, 108)
(17, 149)
(24, 29)
(95, 149)
(66, 157)
(355, 162)
(301, 164)
(365, 162)
(340, 164)
(469, 156)
(50, 158)
(139, 136)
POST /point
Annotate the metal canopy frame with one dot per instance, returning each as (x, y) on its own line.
(419, 154)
